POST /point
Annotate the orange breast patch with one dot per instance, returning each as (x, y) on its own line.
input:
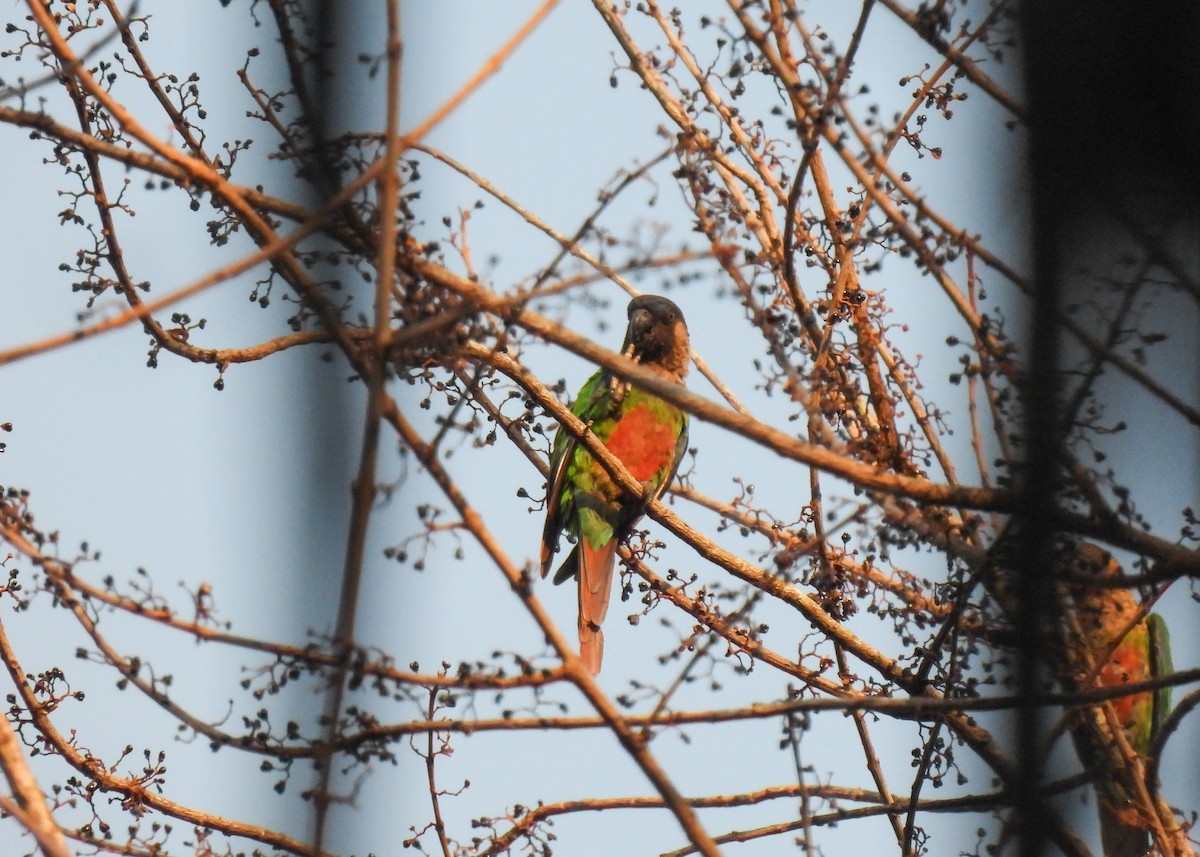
(1125, 665)
(644, 444)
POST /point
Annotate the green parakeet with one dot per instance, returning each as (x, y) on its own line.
(649, 437)
(1122, 647)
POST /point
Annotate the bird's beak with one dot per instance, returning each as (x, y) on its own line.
(639, 323)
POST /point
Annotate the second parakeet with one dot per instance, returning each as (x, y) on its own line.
(1123, 646)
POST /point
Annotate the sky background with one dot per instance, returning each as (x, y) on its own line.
(247, 489)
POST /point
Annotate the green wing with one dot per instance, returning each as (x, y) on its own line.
(680, 449)
(1160, 665)
(593, 404)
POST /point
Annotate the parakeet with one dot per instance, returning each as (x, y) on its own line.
(1123, 647)
(647, 434)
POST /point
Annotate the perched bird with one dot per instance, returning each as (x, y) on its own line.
(649, 437)
(1122, 646)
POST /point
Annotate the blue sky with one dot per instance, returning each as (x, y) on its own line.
(247, 489)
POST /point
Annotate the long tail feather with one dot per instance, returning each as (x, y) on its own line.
(591, 647)
(595, 587)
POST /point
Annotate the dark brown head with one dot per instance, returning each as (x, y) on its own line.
(657, 335)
